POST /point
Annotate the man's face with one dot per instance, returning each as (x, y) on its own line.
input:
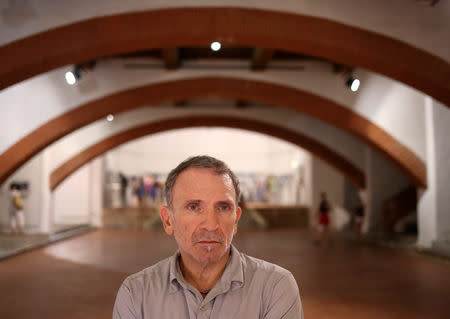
(204, 217)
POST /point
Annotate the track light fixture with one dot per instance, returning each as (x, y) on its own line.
(353, 83)
(74, 76)
(347, 73)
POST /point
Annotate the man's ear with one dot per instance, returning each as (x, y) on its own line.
(167, 220)
(238, 216)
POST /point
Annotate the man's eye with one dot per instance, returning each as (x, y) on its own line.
(192, 207)
(224, 207)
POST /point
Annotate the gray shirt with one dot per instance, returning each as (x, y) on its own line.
(249, 288)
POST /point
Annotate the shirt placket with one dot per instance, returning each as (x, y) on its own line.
(205, 309)
(198, 309)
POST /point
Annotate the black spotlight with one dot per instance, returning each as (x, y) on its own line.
(77, 71)
(73, 76)
(353, 83)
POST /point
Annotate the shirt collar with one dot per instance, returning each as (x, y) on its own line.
(232, 277)
(175, 276)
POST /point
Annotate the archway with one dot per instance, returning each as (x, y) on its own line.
(350, 171)
(297, 100)
(130, 32)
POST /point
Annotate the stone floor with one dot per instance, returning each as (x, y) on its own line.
(79, 277)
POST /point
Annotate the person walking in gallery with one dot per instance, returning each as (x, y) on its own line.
(207, 277)
(138, 190)
(324, 219)
(358, 218)
(123, 189)
(17, 219)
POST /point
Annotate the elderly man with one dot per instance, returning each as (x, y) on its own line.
(207, 277)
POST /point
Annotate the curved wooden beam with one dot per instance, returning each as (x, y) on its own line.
(130, 32)
(229, 88)
(355, 175)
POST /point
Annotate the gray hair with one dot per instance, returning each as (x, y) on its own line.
(203, 161)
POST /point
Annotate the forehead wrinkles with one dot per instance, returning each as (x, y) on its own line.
(194, 178)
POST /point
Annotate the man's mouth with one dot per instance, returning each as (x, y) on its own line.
(208, 242)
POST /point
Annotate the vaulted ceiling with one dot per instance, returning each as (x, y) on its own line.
(257, 36)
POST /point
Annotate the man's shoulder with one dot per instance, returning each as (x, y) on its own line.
(268, 281)
(156, 274)
(262, 267)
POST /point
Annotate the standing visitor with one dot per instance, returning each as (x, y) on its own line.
(324, 218)
(358, 218)
(17, 219)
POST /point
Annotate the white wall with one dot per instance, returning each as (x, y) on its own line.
(383, 182)
(79, 199)
(245, 152)
(434, 202)
(442, 147)
(72, 198)
(96, 191)
(396, 108)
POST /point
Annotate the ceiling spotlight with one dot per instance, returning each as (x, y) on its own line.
(70, 78)
(353, 83)
(215, 46)
(73, 76)
(110, 118)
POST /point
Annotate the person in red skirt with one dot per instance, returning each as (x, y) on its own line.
(324, 219)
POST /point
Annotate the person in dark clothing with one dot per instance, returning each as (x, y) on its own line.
(123, 189)
(324, 219)
(358, 218)
(324, 209)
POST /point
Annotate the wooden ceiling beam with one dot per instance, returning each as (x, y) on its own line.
(195, 27)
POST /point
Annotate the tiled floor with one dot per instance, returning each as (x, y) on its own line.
(79, 277)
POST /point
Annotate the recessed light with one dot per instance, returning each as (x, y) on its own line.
(215, 46)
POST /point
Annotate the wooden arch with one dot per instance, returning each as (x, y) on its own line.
(229, 88)
(350, 171)
(111, 35)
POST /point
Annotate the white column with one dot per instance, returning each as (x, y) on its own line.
(434, 201)
(367, 194)
(96, 192)
(47, 219)
(384, 181)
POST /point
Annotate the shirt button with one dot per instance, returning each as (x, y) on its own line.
(202, 308)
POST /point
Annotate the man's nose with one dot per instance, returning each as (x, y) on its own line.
(210, 221)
